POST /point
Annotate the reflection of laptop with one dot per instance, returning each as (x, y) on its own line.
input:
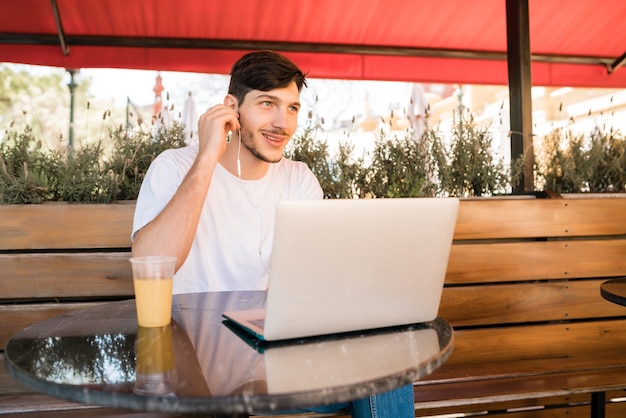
(340, 362)
(353, 264)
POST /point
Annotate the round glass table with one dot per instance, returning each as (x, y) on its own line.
(614, 290)
(197, 364)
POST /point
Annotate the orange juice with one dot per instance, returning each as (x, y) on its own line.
(153, 298)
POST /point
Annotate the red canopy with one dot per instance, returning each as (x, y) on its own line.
(447, 41)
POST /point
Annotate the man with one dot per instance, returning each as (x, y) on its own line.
(212, 204)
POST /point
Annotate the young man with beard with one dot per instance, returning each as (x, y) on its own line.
(211, 205)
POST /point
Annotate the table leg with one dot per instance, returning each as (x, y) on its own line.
(598, 400)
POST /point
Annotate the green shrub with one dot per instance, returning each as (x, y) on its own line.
(400, 167)
(469, 166)
(132, 154)
(32, 173)
(23, 174)
(340, 175)
(79, 176)
(606, 162)
(578, 162)
(456, 163)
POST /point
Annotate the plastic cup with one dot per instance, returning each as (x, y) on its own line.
(152, 280)
(156, 367)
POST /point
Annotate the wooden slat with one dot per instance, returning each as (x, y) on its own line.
(469, 372)
(488, 391)
(16, 317)
(65, 275)
(551, 405)
(69, 226)
(529, 218)
(580, 411)
(37, 403)
(8, 385)
(584, 217)
(552, 341)
(537, 260)
(64, 226)
(526, 302)
(92, 412)
(121, 413)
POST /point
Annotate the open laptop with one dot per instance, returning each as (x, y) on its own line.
(353, 264)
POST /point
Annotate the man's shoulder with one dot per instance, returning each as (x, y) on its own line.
(183, 152)
(183, 157)
(300, 179)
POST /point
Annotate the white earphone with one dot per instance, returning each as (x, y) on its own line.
(238, 153)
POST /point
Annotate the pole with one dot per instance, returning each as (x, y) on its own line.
(519, 63)
(72, 86)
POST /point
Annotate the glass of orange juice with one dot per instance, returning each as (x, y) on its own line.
(152, 279)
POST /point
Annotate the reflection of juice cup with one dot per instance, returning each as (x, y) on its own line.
(152, 278)
(156, 368)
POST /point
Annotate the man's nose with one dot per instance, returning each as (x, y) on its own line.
(281, 119)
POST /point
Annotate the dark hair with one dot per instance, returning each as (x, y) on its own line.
(264, 71)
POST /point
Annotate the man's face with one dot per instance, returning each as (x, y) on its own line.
(268, 120)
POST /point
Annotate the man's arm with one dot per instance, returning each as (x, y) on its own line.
(172, 231)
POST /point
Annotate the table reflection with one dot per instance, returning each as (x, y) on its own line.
(155, 364)
(345, 361)
(97, 359)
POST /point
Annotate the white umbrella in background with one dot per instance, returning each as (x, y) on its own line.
(190, 120)
(417, 109)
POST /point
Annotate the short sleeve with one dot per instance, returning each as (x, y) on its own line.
(158, 187)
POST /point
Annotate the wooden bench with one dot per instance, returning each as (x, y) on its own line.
(533, 337)
(532, 332)
(56, 258)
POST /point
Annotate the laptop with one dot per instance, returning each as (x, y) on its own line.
(353, 264)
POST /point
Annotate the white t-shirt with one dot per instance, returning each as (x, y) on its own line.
(233, 242)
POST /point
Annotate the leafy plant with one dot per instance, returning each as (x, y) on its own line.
(457, 163)
(304, 147)
(31, 173)
(405, 166)
(401, 167)
(339, 176)
(577, 162)
(132, 154)
(562, 166)
(472, 167)
(350, 173)
(606, 167)
(22, 169)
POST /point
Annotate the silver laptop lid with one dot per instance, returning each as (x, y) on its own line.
(345, 265)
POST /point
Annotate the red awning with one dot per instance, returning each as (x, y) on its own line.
(448, 41)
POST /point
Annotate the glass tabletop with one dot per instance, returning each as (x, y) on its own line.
(197, 364)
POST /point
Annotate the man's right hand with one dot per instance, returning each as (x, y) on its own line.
(213, 128)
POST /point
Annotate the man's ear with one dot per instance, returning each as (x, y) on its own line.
(231, 101)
